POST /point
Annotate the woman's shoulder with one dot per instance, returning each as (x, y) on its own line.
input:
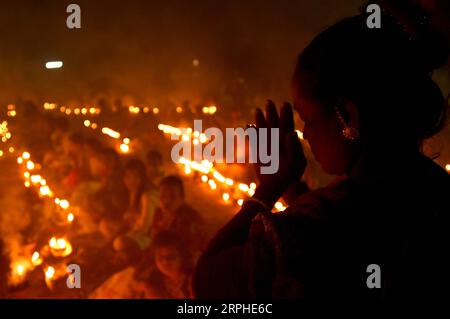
(310, 213)
(319, 204)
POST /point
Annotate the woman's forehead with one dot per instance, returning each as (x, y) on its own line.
(307, 106)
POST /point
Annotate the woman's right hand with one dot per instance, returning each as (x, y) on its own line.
(292, 161)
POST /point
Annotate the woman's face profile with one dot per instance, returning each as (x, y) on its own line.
(322, 129)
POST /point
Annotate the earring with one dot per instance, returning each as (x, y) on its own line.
(349, 132)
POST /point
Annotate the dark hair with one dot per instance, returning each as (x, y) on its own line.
(110, 154)
(110, 157)
(173, 181)
(137, 166)
(76, 138)
(154, 156)
(60, 123)
(385, 72)
(156, 279)
(93, 143)
(168, 238)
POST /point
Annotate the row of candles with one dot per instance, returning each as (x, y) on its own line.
(11, 110)
(57, 246)
(124, 145)
(5, 135)
(232, 191)
(74, 111)
(208, 110)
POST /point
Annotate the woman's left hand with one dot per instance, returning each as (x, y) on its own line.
(292, 161)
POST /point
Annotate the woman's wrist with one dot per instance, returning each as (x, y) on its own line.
(267, 194)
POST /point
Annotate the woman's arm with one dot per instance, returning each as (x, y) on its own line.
(235, 232)
(145, 218)
(222, 270)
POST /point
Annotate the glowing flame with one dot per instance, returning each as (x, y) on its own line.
(54, 65)
(60, 247)
(229, 181)
(50, 272)
(243, 187)
(279, 206)
(70, 217)
(64, 204)
(203, 138)
(44, 190)
(30, 165)
(36, 259)
(212, 109)
(212, 184)
(19, 269)
(219, 177)
(124, 148)
(110, 132)
(134, 109)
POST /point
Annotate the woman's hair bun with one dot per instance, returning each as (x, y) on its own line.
(429, 45)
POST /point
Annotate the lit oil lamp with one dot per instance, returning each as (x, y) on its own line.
(60, 247)
(36, 259)
(19, 270)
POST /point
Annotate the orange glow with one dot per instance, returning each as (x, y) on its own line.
(124, 148)
(50, 272)
(36, 259)
(64, 204)
(110, 132)
(60, 247)
(70, 217)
